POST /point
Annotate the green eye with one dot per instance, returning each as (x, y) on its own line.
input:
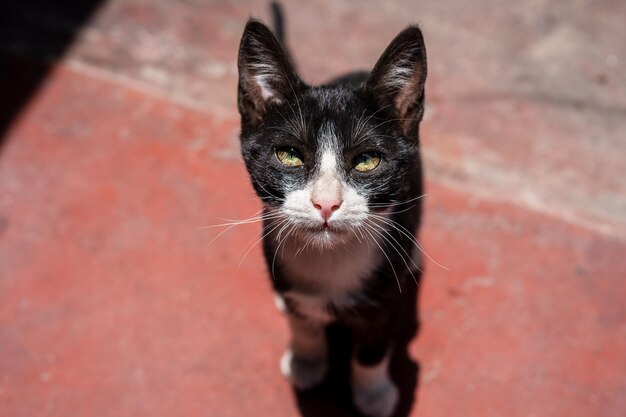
(289, 157)
(367, 161)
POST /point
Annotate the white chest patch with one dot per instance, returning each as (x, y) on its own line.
(321, 277)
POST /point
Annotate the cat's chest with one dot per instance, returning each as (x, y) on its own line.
(320, 279)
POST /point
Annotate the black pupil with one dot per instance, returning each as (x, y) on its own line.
(291, 152)
(364, 157)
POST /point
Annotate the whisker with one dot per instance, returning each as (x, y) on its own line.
(232, 225)
(273, 195)
(383, 230)
(241, 222)
(252, 216)
(388, 260)
(398, 203)
(400, 211)
(280, 242)
(288, 233)
(361, 126)
(389, 121)
(409, 235)
(303, 247)
(278, 223)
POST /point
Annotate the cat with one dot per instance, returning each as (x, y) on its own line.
(337, 168)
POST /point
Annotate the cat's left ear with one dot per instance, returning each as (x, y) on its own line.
(266, 75)
(398, 78)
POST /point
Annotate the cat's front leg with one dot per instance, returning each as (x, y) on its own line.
(305, 362)
(373, 392)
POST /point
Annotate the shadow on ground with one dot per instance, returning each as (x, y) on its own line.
(33, 35)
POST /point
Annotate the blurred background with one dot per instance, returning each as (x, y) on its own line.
(118, 142)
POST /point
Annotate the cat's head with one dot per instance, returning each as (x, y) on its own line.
(325, 160)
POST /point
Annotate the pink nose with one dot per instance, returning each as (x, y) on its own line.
(326, 207)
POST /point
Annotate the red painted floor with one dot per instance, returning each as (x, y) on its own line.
(113, 302)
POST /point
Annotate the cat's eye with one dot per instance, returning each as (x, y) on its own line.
(289, 156)
(367, 161)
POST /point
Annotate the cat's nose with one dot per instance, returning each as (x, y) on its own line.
(326, 207)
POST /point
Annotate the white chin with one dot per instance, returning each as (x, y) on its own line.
(328, 237)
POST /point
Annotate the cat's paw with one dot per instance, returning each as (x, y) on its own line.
(303, 373)
(379, 400)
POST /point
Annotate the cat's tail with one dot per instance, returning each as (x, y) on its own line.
(278, 21)
(278, 27)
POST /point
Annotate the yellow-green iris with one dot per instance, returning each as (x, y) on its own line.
(366, 162)
(289, 157)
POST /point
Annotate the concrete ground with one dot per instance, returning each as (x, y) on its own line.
(119, 141)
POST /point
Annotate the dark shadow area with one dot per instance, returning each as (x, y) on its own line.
(333, 398)
(33, 35)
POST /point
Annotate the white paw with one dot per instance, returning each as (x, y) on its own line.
(279, 302)
(379, 400)
(303, 373)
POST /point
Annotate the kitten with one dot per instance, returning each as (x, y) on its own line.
(338, 170)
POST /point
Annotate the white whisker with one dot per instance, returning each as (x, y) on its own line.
(278, 223)
(386, 256)
(399, 246)
(409, 235)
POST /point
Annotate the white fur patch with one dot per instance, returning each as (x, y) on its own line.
(399, 75)
(262, 71)
(302, 374)
(324, 276)
(279, 302)
(328, 186)
(328, 163)
(264, 86)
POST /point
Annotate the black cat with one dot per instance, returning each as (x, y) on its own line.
(338, 170)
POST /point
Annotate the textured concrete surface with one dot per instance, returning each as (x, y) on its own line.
(113, 302)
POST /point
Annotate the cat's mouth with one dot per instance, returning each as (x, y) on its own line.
(328, 230)
(324, 235)
(321, 228)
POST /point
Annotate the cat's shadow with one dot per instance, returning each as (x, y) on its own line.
(332, 398)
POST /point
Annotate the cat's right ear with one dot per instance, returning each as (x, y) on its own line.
(266, 76)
